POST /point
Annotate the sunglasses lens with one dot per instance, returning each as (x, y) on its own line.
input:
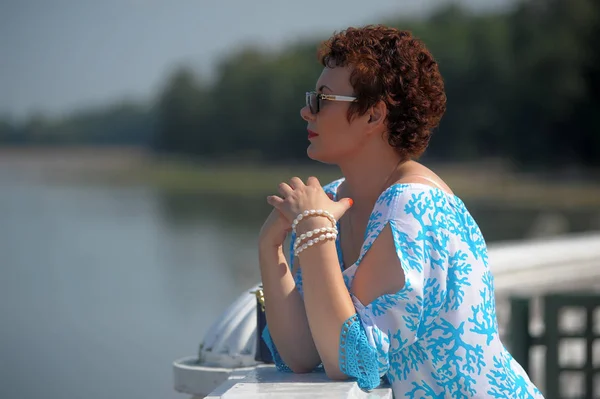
(312, 102)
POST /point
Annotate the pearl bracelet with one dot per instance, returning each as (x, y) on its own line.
(315, 232)
(313, 212)
(313, 241)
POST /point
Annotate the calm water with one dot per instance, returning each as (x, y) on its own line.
(101, 288)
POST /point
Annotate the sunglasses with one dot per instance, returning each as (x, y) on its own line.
(313, 100)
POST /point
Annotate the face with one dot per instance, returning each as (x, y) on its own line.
(332, 138)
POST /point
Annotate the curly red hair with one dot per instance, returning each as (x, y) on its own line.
(392, 66)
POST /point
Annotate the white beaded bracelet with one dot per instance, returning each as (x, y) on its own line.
(311, 242)
(312, 233)
(313, 212)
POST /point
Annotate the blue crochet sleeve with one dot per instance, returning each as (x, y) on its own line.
(357, 358)
(279, 363)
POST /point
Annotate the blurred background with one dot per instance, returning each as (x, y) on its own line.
(139, 138)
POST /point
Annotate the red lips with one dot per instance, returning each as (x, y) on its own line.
(312, 134)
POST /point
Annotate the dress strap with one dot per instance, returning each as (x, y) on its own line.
(429, 180)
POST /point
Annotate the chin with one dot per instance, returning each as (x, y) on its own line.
(313, 153)
(319, 156)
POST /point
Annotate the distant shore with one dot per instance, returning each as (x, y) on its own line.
(134, 166)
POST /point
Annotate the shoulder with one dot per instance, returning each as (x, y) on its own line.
(419, 213)
(405, 201)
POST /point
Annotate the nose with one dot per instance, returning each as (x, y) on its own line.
(306, 114)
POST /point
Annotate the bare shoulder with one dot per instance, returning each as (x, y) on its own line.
(415, 172)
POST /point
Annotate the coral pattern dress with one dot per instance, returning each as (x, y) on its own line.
(438, 336)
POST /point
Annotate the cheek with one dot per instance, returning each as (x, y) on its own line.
(336, 139)
(334, 125)
(334, 145)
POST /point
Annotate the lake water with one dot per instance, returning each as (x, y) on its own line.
(101, 288)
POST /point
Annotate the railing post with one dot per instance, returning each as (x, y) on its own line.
(552, 305)
(589, 350)
(519, 336)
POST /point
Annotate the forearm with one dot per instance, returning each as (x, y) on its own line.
(285, 312)
(328, 303)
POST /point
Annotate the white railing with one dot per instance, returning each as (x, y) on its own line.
(226, 359)
(267, 382)
(554, 264)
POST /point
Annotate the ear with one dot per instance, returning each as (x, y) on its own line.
(377, 116)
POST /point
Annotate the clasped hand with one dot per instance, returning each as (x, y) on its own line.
(296, 197)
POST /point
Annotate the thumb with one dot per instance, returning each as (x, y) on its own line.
(346, 202)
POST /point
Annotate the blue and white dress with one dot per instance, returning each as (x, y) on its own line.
(438, 336)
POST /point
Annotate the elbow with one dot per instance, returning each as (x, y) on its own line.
(332, 367)
(300, 368)
(334, 373)
(300, 365)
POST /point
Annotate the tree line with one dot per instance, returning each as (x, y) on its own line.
(522, 85)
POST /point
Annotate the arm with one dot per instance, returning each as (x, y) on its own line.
(286, 316)
(328, 303)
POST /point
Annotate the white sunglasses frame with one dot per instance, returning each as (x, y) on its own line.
(327, 97)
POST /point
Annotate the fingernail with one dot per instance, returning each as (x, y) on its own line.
(350, 201)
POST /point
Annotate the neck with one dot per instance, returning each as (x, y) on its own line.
(363, 183)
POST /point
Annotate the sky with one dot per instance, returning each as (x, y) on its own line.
(65, 55)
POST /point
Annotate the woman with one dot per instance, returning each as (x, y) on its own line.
(393, 280)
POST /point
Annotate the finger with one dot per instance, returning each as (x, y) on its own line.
(313, 181)
(284, 189)
(296, 183)
(347, 203)
(275, 201)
